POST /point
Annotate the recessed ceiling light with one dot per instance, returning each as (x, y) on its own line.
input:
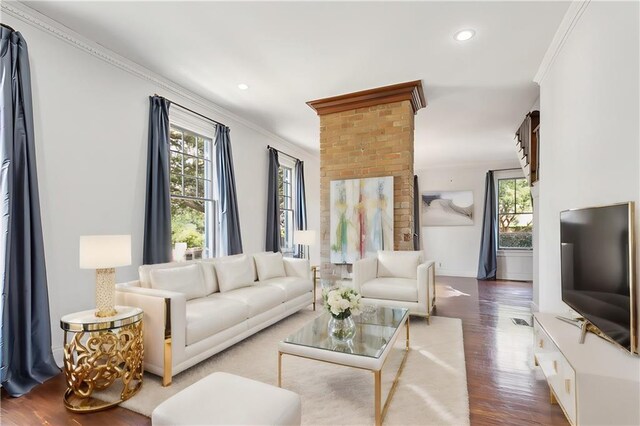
(243, 86)
(464, 35)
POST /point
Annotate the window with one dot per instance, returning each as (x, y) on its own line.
(192, 203)
(285, 192)
(515, 214)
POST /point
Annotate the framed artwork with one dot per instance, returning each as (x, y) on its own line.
(447, 208)
(361, 221)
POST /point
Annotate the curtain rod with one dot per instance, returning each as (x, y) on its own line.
(192, 111)
(504, 170)
(282, 152)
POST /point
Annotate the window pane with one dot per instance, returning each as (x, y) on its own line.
(176, 163)
(189, 186)
(175, 139)
(200, 170)
(200, 188)
(523, 197)
(190, 144)
(201, 142)
(506, 196)
(188, 225)
(515, 231)
(176, 185)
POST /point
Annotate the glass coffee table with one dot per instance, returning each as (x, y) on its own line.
(376, 337)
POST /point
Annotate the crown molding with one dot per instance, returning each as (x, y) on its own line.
(42, 22)
(410, 91)
(568, 23)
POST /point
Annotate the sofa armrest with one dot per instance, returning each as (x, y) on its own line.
(295, 267)
(164, 323)
(364, 270)
(426, 284)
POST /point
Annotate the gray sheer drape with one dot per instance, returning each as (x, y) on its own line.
(230, 237)
(26, 330)
(301, 202)
(273, 204)
(416, 214)
(157, 214)
(487, 263)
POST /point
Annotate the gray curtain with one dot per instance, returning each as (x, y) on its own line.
(157, 214)
(301, 202)
(26, 330)
(230, 238)
(487, 263)
(416, 214)
(273, 204)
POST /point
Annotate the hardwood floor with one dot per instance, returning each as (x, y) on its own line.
(503, 388)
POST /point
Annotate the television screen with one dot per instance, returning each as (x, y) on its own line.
(595, 268)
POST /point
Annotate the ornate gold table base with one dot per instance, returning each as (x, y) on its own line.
(93, 361)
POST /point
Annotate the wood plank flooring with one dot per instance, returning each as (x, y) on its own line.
(503, 388)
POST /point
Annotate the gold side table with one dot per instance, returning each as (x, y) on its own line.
(98, 351)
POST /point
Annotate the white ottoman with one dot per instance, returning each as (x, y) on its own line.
(225, 399)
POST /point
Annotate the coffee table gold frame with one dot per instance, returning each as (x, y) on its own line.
(97, 355)
(380, 410)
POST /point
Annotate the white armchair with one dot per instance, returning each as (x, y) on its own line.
(397, 279)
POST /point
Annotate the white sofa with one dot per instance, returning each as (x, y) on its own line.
(397, 279)
(195, 309)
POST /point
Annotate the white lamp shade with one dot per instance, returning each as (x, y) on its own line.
(105, 251)
(304, 238)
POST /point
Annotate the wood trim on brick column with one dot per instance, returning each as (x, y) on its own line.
(410, 91)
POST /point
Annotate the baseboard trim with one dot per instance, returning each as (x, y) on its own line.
(455, 273)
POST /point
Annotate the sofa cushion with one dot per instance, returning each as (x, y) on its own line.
(186, 279)
(207, 316)
(292, 286)
(400, 264)
(234, 273)
(269, 265)
(259, 298)
(210, 278)
(403, 289)
(208, 273)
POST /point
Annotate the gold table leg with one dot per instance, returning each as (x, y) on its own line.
(93, 361)
(279, 369)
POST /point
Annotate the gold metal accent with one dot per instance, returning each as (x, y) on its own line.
(100, 325)
(567, 385)
(552, 397)
(555, 365)
(167, 372)
(541, 343)
(633, 347)
(94, 361)
(105, 292)
(380, 410)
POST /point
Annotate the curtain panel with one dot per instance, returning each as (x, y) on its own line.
(301, 203)
(230, 237)
(487, 262)
(273, 204)
(157, 214)
(25, 345)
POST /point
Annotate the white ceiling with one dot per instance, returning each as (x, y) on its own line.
(293, 52)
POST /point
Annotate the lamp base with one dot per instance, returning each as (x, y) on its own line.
(106, 292)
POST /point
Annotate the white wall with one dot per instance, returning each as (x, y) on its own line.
(590, 137)
(91, 121)
(455, 249)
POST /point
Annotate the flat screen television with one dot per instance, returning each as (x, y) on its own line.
(597, 269)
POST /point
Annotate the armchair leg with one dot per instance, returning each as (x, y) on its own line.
(168, 353)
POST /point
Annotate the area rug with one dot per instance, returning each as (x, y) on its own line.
(432, 388)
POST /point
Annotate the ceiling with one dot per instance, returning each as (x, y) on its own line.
(292, 52)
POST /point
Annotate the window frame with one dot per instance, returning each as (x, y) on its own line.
(187, 123)
(288, 164)
(497, 180)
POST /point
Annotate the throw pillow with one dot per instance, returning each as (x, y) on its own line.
(186, 279)
(399, 264)
(235, 272)
(269, 265)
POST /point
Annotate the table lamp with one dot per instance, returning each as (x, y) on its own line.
(304, 238)
(104, 253)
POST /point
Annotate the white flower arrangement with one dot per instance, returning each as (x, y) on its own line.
(342, 302)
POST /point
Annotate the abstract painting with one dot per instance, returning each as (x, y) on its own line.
(361, 218)
(447, 208)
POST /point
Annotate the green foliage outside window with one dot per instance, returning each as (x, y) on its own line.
(515, 214)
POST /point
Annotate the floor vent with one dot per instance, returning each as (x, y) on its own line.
(520, 321)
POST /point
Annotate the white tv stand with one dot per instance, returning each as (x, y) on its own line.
(595, 383)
